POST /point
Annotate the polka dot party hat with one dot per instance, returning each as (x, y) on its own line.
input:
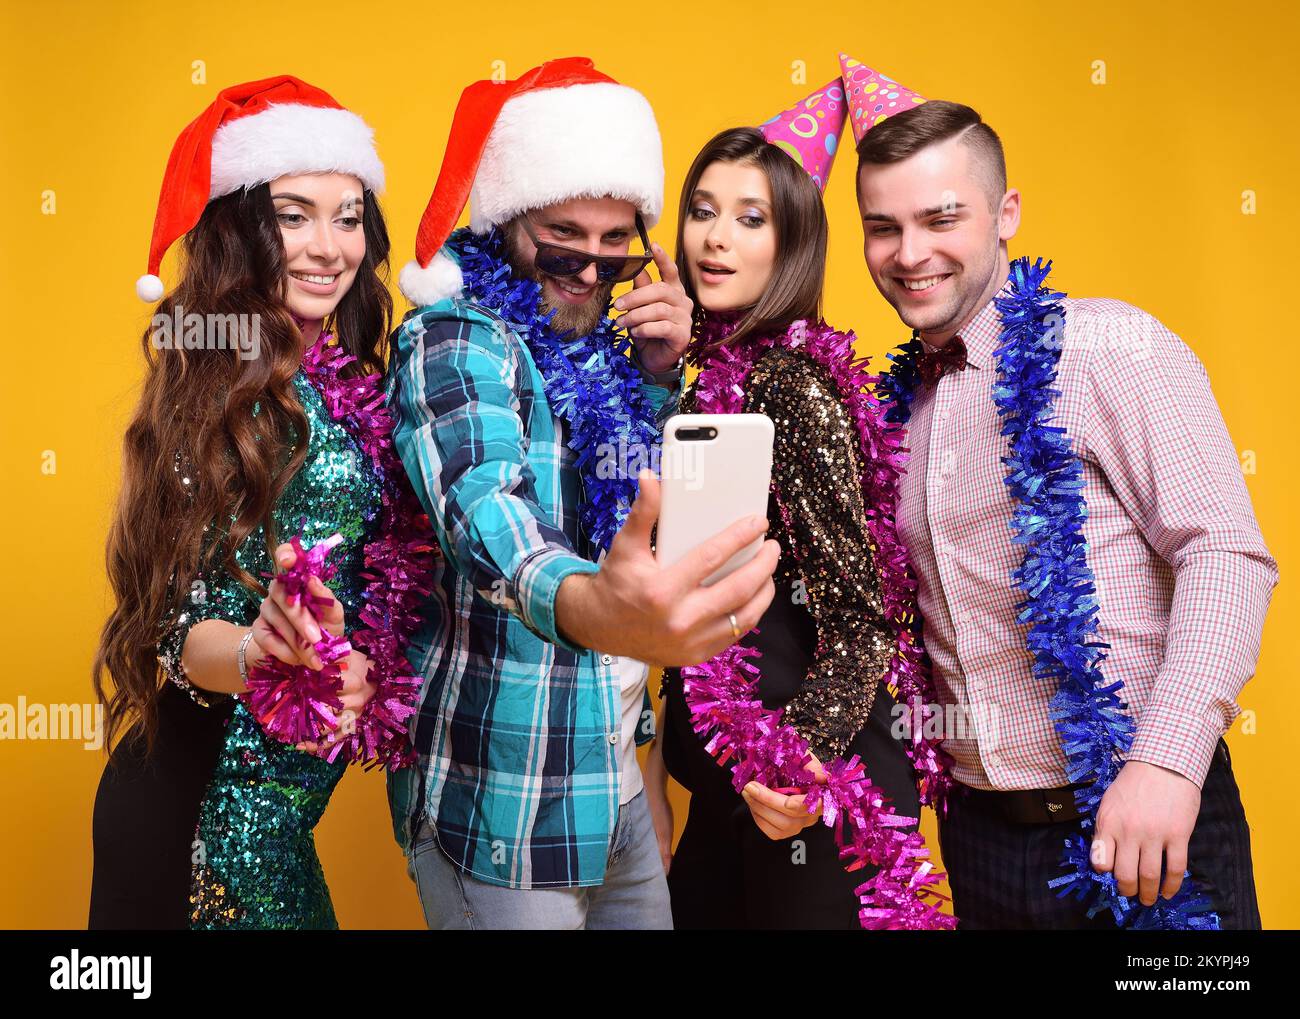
(809, 131)
(871, 96)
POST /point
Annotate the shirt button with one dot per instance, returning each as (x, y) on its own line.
(606, 659)
(613, 737)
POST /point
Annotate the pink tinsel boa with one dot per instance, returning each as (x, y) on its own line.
(290, 702)
(721, 694)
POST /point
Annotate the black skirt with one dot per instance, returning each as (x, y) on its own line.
(146, 813)
(725, 872)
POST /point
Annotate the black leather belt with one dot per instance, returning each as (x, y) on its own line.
(1028, 806)
(1046, 806)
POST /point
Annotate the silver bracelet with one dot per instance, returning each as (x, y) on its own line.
(243, 660)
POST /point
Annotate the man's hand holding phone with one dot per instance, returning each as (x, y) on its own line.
(661, 615)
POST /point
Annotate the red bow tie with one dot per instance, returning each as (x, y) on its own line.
(951, 357)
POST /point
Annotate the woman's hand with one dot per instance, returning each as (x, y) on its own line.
(288, 632)
(661, 815)
(355, 695)
(781, 816)
(655, 774)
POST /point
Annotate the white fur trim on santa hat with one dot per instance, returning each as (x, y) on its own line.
(442, 279)
(291, 138)
(580, 141)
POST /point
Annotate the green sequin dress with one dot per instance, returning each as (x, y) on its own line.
(251, 856)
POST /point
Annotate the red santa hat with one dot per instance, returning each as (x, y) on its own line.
(251, 134)
(560, 131)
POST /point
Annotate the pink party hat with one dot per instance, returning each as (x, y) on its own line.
(871, 96)
(809, 131)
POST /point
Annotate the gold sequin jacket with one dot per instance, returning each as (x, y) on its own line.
(826, 550)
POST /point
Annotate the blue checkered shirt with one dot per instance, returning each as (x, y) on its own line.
(517, 733)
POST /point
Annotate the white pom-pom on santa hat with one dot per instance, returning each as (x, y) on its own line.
(149, 288)
(424, 285)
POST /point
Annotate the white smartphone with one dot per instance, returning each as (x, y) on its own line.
(715, 469)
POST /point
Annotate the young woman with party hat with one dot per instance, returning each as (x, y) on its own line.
(800, 711)
(259, 448)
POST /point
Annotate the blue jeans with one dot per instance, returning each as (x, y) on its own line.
(634, 895)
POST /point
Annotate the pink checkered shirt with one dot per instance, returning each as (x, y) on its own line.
(1183, 576)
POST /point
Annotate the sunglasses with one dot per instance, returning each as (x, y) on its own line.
(560, 260)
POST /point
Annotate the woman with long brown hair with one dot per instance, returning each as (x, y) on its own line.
(751, 243)
(260, 421)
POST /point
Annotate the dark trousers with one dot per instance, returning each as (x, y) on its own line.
(998, 870)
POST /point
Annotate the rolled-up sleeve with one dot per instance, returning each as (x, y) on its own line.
(459, 432)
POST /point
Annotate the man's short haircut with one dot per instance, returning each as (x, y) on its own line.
(907, 133)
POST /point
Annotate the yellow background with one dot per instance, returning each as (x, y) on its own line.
(1134, 187)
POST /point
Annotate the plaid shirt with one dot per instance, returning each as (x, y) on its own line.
(518, 730)
(1183, 576)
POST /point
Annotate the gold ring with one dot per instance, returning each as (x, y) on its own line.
(735, 630)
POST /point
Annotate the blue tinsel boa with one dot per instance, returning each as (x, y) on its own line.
(1060, 604)
(589, 380)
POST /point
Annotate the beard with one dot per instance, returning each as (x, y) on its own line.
(578, 319)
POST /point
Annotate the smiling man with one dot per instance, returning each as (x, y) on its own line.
(526, 808)
(604, 225)
(1182, 576)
